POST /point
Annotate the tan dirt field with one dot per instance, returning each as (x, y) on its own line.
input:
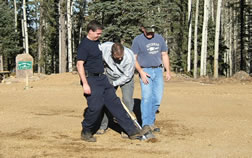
(198, 119)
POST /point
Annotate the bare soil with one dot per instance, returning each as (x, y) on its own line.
(198, 119)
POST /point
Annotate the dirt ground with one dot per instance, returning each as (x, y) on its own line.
(198, 119)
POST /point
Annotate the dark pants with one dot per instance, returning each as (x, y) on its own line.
(103, 94)
(127, 98)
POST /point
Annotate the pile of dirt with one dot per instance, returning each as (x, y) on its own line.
(181, 77)
(13, 79)
(239, 77)
(242, 76)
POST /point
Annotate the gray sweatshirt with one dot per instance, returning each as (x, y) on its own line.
(119, 73)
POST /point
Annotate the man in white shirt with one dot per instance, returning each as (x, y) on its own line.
(119, 68)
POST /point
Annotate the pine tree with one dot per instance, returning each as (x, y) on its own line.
(8, 37)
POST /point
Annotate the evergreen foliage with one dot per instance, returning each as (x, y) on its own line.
(122, 20)
(9, 47)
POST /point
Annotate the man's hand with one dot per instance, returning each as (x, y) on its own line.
(167, 76)
(81, 71)
(86, 89)
(166, 63)
(144, 76)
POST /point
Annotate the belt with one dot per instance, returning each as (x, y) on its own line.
(90, 74)
(153, 66)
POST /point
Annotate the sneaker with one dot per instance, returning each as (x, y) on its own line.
(88, 137)
(101, 131)
(137, 136)
(140, 134)
(147, 128)
(149, 135)
(155, 129)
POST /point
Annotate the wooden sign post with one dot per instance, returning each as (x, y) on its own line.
(24, 67)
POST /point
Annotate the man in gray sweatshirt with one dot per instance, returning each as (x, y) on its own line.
(119, 68)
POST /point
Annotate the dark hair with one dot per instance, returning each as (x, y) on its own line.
(94, 25)
(117, 48)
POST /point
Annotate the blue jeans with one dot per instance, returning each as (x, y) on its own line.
(151, 95)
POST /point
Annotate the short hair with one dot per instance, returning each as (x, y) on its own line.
(94, 25)
(117, 48)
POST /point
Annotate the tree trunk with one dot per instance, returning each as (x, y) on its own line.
(15, 14)
(23, 35)
(212, 10)
(196, 40)
(25, 28)
(217, 36)
(60, 32)
(83, 13)
(247, 32)
(73, 37)
(242, 60)
(40, 37)
(189, 35)
(230, 53)
(62, 40)
(69, 34)
(235, 37)
(250, 37)
(231, 42)
(1, 62)
(227, 28)
(203, 63)
(80, 34)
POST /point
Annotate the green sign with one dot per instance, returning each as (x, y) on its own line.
(24, 65)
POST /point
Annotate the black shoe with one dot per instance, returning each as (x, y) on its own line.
(157, 112)
(88, 137)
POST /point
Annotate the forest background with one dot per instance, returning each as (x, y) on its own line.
(205, 37)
